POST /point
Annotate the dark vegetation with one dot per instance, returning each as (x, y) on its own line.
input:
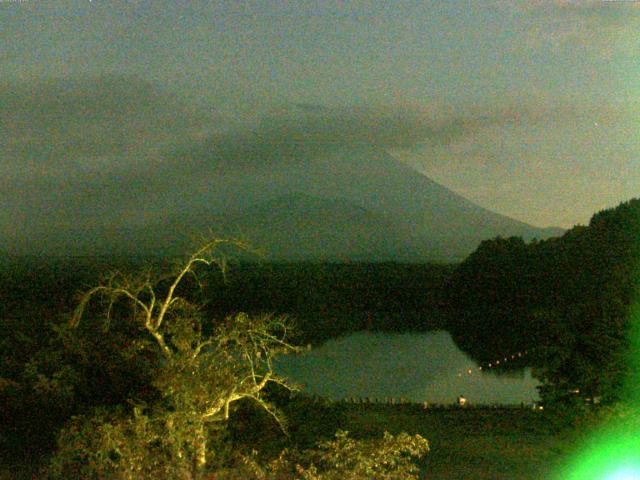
(568, 299)
(107, 398)
(333, 299)
(565, 299)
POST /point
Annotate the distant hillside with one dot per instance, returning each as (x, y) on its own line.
(355, 204)
(302, 227)
(117, 166)
(569, 298)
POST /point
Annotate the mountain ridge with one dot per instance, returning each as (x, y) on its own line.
(355, 204)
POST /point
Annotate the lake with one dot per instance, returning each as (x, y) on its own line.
(416, 366)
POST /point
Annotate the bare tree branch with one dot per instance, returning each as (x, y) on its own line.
(202, 374)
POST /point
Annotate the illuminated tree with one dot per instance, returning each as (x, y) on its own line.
(342, 458)
(200, 369)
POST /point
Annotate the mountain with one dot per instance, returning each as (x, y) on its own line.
(356, 204)
(360, 202)
(117, 166)
(303, 227)
(445, 224)
(292, 227)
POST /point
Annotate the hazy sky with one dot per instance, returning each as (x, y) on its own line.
(529, 108)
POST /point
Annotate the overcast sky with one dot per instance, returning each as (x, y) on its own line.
(529, 108)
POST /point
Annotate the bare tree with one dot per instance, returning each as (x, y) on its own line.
(200, 374)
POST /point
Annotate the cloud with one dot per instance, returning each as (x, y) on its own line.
(295, 135)
(557, 24)
(70, 131)
(91, 153)
(298, 134)
(71, 147)
(78, 135)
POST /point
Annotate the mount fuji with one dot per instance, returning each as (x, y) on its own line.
(352, 204)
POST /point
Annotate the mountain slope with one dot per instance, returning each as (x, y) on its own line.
(109, 165)
(303, 227)
(358, 204)
(362, 196)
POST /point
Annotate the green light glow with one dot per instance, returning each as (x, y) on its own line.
(612, 454)
(625, 473)
(613, 451)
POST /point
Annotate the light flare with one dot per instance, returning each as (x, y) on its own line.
(612, 451)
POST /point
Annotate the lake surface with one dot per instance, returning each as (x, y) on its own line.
(416, 366)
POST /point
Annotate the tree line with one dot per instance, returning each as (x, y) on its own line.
(566, 298)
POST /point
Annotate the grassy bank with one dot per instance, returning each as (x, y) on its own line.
(470, 443)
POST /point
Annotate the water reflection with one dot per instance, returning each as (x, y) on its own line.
(419, 367)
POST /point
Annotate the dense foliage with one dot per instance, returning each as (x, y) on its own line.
(567, 299)
(341, 458)
(196, 369)
(144, 381)
(333, 299)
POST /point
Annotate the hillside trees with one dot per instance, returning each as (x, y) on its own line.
(568, 298)
(198, 370)
(596, 275)
(48, 370)
(491, 294)
(341, 458)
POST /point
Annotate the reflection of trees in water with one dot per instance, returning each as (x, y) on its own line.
(492, 352)
(515, 373)
(416, 366)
